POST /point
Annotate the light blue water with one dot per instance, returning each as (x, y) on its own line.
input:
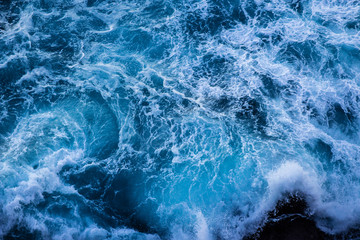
(174, 119)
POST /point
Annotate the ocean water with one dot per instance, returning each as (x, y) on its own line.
(176, 119)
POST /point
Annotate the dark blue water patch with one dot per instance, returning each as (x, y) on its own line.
(91, 182)
(110, 37)
(55, 35)
(253, 112)
(68, 207)
(141, 123)
(355, 24)
(320, 149)
(159, 51)
(333, 68)
(152, 132)
(11, 11)
(43, 98)
(5, 4)
(337, 119)
(49, 5)
(15, 104)
(215, 68)
(89, 22)
(219, 18)
(63, 44)
(137, 40)
(11, 46)
(271, 39)
(250, 8)
(197, 24)
(342, 118)
(324, 152)
(291, 89)
(156, 82)
(102, 127)
(349, 56)
(342, 62)
(310, 108)
(92, 3)
(158, 9)
(238, 14)
(90, 187)
(214, 65)
(302, 53)
(126, 197)
(223, 103)
(125, 191)
(59, 206)
(132, 66)
(297, 5)
(331, 163)
(265, 17)
(270, 87)
(12, 72)
(188, 105)
(247, 110)
(236, 11)
(88, 109)
(235, 141)
(55, 65)
(153, 129)
(125, 20)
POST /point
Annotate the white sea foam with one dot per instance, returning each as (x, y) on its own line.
(169, 93)
(290, 177)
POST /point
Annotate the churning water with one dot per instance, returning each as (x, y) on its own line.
(176, 119)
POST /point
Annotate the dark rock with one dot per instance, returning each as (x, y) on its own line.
(294, 227)
(22, 233)
(292, 204)
(289, 221)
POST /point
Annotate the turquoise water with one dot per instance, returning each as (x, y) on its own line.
(176, 119)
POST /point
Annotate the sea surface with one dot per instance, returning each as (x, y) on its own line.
(177, 119)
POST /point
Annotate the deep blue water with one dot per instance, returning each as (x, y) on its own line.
(169, 119)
